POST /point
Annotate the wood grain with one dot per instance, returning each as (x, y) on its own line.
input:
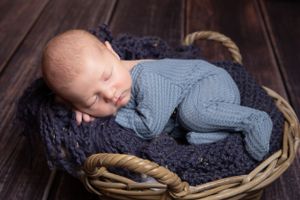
(67, 187)
(21, 178)
(16, 19)
(156, 18)
(59, 15)
(241, 21)
(282, 20)
(266, 31)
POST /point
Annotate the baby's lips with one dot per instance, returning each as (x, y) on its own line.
(115, 100)
(119, 100)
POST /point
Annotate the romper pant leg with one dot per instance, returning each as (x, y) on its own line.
(212, 107)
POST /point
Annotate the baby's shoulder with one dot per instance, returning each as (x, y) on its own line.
(170, 65)
(173, 62)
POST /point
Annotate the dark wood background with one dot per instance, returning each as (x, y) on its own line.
(267, 32)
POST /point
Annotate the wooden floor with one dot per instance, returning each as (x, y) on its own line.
(267, 32)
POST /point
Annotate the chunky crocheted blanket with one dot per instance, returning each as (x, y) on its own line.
(67, 145)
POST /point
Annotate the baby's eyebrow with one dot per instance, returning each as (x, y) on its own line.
(110, 70)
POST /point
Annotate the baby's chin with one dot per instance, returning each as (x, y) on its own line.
(105, 115)
(124, 101)
(112, 113)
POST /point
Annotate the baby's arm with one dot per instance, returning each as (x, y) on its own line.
(156, 99)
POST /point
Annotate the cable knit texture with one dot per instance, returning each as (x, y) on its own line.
(67, 145)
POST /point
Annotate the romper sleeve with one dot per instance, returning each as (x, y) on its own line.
(156, 99)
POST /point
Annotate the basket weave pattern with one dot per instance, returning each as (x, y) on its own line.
(99, 180)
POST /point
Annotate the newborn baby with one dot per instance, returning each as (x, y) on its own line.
(90, 77)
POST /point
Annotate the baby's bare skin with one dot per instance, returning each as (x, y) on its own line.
(85, 117)
(86, 75)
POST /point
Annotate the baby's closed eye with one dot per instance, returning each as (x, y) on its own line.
(108, 75)
(94, 101)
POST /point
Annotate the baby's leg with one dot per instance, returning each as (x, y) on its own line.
(205, 138)
(213, 90)
(219, 110)
(255, 125)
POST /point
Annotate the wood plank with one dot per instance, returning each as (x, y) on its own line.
(159, 18)
(21, 178)
(67, 187)
(16, 19)
(282, 20)
(241, 21)
(23, 68)
(156, 18)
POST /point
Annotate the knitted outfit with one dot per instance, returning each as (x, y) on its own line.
(207, 100)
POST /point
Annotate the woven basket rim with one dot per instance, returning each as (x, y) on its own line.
(99, 180)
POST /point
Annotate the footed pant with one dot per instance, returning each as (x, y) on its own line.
(208, 118)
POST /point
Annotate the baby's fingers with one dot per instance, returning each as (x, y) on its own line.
(78, 116)
(87, 118)
(91, 118)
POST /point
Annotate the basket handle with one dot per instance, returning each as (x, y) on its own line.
(212, 35)
(94, 164)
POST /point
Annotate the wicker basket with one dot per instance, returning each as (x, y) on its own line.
(99, 180)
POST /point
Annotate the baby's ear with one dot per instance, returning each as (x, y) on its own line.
(109, 47)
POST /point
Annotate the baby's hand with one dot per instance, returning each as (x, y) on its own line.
(80, 116)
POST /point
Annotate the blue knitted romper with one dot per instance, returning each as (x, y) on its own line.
(206, 98)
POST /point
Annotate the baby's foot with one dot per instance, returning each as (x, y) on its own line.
(257, 136)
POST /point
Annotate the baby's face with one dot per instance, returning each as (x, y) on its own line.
(103, 86)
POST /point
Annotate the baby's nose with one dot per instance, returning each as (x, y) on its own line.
(108, 94)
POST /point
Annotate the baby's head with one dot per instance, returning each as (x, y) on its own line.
(86, 73)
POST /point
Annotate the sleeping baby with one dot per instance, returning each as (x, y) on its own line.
(89, 77)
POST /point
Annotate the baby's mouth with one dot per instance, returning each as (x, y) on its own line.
(116, 99)
(119, 99)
